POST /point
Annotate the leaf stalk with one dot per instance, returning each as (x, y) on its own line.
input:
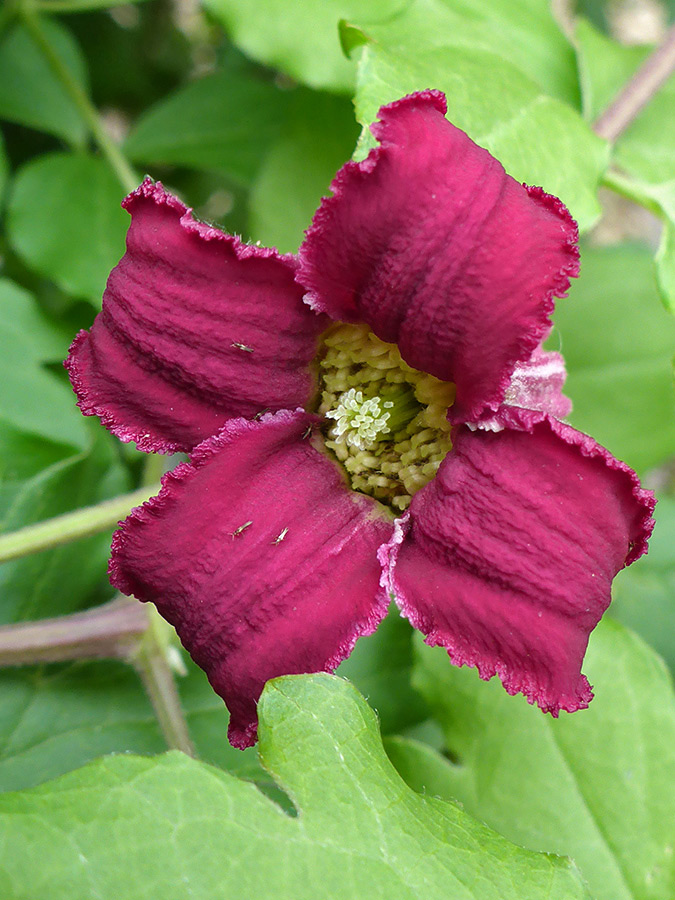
(71, 526)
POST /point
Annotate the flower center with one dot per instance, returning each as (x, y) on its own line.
(362, 422)
(386, 421)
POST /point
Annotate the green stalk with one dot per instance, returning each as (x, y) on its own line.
(118, 162)
(71, 526)
(151, 662)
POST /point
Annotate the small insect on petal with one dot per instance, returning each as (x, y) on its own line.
(237, 531)
(239, 346)
(279, 538)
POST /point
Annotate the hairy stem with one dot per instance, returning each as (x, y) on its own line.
(118, 162)
(151, 663)
(71, 526)
(110, 632)
(639, 90)
(121, 629)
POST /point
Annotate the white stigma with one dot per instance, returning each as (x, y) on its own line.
(359, 422)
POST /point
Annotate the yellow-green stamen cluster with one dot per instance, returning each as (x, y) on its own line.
(389, 427)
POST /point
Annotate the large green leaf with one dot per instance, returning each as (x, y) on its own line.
(172, 827)
(523, 32)
(645, 151)
(319, 137)
(223, 122)
(29, 92)
(618, 344)
(66, 223)
(538, 139)
(596, 785)
(303, 42)
(300, 39)
(644, 593)
(71, 576)
(32, 399)
(56, 718)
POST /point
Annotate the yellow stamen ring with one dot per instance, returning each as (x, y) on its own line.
(389, 429)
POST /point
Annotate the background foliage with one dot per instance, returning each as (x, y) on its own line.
(246, 108)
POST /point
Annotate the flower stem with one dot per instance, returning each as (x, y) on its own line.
(121, 629)
(71, 526)
(151, 663)
(639, 90)
(118, 162)
(109, 631)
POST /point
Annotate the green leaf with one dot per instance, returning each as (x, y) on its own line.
(29, 92)
(522, 32)
(595, 785)
(66, 223)
(56, 718)
(23, 455)
(301, 40)
(644, 593)
(319, 138)
(645, 151)
(618, 345)
(23, 321)
(72, 576)
(172, 827)
(538, 139)
(32, 399)
(223, 123)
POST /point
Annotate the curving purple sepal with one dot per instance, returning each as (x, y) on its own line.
(196, 328)
(260, 556)
(437, 249)
(506, 558)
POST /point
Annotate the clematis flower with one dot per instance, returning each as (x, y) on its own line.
(374, 419)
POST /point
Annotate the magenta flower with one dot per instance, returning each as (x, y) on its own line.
(393, 368)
